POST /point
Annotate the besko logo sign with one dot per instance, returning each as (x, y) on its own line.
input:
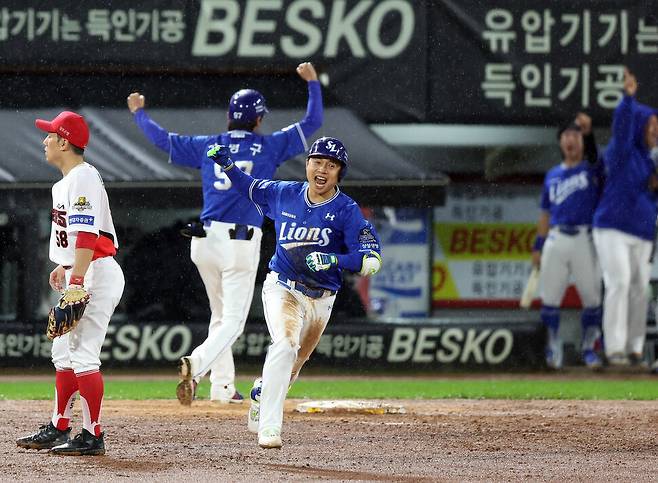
(303, 28)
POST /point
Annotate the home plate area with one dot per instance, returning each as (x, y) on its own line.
(350, 406)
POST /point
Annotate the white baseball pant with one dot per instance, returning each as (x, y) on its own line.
(626, 271)
(80, 348)
(296, 323)
(565, 256)
(228, 269)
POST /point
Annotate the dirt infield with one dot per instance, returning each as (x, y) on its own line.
(435, 440)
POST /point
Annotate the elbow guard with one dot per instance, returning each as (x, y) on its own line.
(371, 264)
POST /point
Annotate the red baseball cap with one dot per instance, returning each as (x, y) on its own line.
(69, 125)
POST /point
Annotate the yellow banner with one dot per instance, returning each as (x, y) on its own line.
(485, 241)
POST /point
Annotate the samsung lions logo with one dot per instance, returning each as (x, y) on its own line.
(298, 236)
(560, 190)
(329, 217)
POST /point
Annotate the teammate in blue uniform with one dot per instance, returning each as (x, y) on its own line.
(625, 224)
(320, 232)
(564, 247)
(226, 249)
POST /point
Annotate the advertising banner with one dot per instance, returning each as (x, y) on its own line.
(432, 345)
(536, 61)
(401, 288)
(356, 44)
(482, 248)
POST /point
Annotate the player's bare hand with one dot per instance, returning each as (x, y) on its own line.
(536, 258)
(307, 72)
(630, 82)
(136, 101)
(584, 122)
(56, 278)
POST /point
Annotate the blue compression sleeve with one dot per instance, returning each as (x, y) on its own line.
(241, 180)
(158, 136)
(351, 261)
(314, 111)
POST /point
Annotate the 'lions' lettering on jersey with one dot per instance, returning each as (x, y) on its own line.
(571, 194)
(303, 236)
(333, 226)
(561, 188)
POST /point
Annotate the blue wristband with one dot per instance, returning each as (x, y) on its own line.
(539, 243)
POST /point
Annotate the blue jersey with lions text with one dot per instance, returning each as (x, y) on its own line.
(333, 226)
(571, 194)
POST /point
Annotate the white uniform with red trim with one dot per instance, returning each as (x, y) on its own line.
(80, 203)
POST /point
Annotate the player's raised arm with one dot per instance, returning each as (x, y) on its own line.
(622, 122)
(591, 150)
(291, 140)
(314, 110)
(157, 135)
(183, 150)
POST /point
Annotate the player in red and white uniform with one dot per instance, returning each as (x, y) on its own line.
(82, 244)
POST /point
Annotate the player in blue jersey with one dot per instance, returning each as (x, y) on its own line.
(563, 247)
(226, 249)
(320, 232)
(624, 226)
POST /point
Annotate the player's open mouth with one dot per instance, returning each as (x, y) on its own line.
(321, 181)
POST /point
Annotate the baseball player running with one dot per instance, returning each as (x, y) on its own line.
(563, 247)
(624, 226)
(320, 233)
(82, 244)
(226, 249)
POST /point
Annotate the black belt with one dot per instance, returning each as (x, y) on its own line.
(573, 230)
(238, 232)
(312, 292)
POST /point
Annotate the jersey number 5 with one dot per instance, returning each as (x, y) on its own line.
(223, 183)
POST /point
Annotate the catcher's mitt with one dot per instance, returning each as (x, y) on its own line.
(64, 316)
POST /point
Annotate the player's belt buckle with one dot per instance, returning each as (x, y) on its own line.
(314, 293)
(568, 230)
(241, 232)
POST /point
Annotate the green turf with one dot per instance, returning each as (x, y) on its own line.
(376, 388)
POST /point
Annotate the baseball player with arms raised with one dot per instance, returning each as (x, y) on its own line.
(563, 247)
(82, 244)
(624, 226)
(320, 232)
(226, 249)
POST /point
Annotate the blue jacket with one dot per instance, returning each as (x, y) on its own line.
(627, 204)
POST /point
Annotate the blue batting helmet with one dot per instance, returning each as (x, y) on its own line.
(328, 147)
(246, 106)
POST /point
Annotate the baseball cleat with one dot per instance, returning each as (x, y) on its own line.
(554, 358)
(226, 395)
(618, 360)
(84, 444)
(592, 360)
(270, 438)
(47, 437)
(654, 367)
(636, 360)
(186, 389)
(554, 351)
(254, 408)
